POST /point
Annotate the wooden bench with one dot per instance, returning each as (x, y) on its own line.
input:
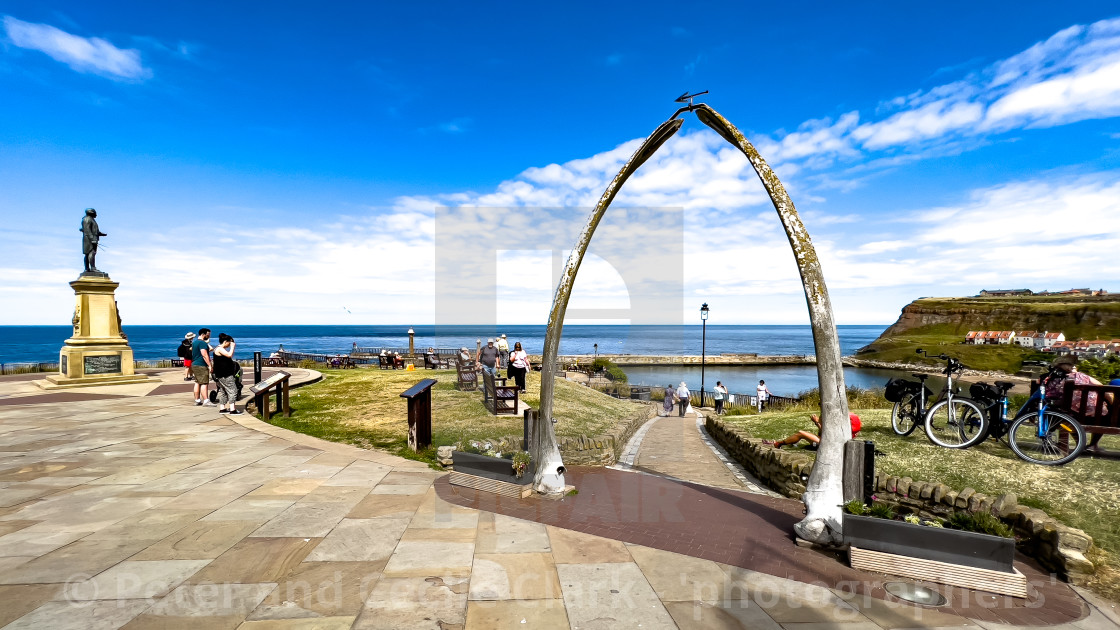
(385, 361)
(468, 377)
(432, 361)
(1100, 417)
(177, 363)
(500, 399)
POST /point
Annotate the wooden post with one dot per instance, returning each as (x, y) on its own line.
(287, 406)
(419, 398)
(859, 455)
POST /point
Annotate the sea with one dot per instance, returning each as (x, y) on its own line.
(41, 343)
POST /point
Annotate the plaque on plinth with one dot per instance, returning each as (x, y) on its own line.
(97, 353)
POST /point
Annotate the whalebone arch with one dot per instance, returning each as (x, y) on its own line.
(823, 495)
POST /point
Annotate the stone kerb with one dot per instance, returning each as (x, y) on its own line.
(1058, 547)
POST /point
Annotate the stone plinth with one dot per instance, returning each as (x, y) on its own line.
(97, 353)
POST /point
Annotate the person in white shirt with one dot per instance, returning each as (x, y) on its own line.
(682, 399)
(763, 395)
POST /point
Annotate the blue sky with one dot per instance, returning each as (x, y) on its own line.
(931, 151)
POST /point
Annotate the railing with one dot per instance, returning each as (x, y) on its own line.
(733, 400)
(296, 357)
(443, 352)
(27, 368)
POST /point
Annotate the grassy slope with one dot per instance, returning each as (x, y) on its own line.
(1084, 494)
(944, 338)
(363, 407)
(1078, 318)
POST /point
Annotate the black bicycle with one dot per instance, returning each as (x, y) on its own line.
(950, 420)
(1037, 433)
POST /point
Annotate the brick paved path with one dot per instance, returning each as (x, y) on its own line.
(144, 511)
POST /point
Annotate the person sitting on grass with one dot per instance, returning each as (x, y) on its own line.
(813, 438)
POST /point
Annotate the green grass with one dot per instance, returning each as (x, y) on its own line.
(1083, 494)
(363, 407)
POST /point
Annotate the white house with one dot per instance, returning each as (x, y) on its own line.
(1025, 338)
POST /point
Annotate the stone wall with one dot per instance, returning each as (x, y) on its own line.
(1057, 547)
(583, 450)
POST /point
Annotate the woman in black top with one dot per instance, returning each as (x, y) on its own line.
(225, 374)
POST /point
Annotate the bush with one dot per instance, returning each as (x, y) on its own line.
(881, 510)
(614, 372)
(858, 398)
(980, 522)
(309, 364)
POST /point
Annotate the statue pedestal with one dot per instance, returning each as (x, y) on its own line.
(97, 353)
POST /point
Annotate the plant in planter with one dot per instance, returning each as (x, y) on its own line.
(927, 550)
(492, 471)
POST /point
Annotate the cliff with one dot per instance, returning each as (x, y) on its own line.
(1078, 317)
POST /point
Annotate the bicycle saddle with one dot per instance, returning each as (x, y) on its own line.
(920, 377)
(1004, 386)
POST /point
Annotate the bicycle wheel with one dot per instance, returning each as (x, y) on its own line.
(1054, 440)
(905, 414)
(957, 424)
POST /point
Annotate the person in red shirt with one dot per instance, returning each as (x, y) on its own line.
(813, 438)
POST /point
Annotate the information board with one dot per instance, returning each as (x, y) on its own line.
(103, 364)
(269, 382)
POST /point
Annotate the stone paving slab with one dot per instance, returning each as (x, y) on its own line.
(149, 512)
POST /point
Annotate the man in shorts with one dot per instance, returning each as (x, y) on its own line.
(201, 367)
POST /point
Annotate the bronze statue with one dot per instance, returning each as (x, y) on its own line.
(90, 236)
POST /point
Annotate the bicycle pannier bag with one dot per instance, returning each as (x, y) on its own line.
(896, 388)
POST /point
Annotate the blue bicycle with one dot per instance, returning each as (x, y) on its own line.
(1037, 434)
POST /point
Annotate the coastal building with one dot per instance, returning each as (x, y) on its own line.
(1026, 338)
(1005, 292)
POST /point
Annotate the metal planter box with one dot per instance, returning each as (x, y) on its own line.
(970, 549)
(497, 468)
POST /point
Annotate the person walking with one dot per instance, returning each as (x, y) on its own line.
(670, 398)
(682, 399)
(487, 357)
(519, 366)
(184, 353)
(720, 395)
(763, 395)
(201, 367)
(503, 352)
(225, 374)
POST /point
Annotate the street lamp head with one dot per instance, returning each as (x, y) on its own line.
(704, 311)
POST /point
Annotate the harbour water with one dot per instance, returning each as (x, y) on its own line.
(41, 343)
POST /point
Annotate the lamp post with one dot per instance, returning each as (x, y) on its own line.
(703, 348)
(596, 351)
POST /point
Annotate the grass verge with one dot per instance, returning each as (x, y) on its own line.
(364, 408)
(1083, 494)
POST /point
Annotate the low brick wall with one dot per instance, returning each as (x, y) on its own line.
(583, 450)
(1057, 547)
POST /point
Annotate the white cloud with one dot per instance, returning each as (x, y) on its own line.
(928, 121)
(84, 54)
(1073, 75)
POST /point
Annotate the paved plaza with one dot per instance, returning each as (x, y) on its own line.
(129, 507)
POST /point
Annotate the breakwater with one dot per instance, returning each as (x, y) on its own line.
(629, 360)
